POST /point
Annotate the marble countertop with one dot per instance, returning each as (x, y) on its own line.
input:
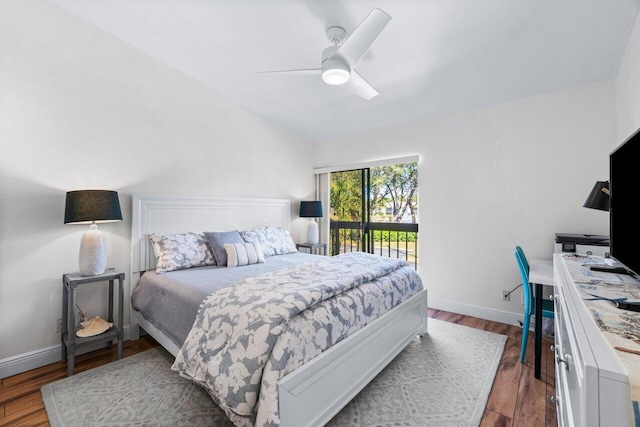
(620, 327)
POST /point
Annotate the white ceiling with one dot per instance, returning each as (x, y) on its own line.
(435, 56)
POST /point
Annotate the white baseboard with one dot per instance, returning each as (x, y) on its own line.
(475, 311)
(45, 356)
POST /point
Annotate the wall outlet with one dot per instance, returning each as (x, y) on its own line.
(58, 325)
(506, 296)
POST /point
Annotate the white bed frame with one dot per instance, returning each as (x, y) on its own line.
(312, 394)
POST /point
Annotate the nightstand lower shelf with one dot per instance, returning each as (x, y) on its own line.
(70, 342)
(110, 334)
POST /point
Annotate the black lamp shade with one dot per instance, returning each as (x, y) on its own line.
(311, 209)
(599, 197)
(87, 206)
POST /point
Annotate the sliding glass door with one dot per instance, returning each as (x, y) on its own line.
(349, 211)
(375, 210)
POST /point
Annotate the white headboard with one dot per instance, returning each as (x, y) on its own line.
(181, 214)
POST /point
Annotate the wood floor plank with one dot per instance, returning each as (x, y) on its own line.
(26, 376)
(515, 332)
(2, 411)
(469, 321)
(40, 421)
(22, 416)
(441, 314)
(485, 325)
(31, 400)
(551, 415)
(453, 318)
(493, 419)
(34, 419)
(504, 393)
(8, 394)
(500, 328)
(551, 368)
(531, 405)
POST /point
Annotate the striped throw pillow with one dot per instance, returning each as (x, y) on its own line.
(239, 254)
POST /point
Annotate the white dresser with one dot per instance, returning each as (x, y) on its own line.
(593, 384)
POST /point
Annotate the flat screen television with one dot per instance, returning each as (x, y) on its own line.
(624, 216)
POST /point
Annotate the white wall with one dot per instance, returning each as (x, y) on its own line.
(80, 109)
(627, 87)
(496, 177)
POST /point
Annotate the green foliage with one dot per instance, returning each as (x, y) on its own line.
(394, 187)
(393, 236)
(346, 196)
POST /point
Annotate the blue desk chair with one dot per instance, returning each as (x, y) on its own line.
(529, 302)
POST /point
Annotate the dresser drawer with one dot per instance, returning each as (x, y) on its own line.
(563, 406)
(569, 365)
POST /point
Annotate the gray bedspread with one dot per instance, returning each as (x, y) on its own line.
(248, 336)
(170, 300)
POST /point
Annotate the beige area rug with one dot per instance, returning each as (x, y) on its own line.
(443, 379)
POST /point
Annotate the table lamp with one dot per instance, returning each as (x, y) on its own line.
(92, 207)
(311, 209)
(599, 197)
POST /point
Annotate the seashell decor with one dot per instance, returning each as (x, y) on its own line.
(92, 327)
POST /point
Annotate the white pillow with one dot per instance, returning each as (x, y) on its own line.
(180, 251)
(272, 240)
(239, 254)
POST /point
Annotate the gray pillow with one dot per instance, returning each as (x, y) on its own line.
(217, 239)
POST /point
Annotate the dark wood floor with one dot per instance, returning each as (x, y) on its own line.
(516, 399)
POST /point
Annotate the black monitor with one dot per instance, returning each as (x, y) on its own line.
(624, 216)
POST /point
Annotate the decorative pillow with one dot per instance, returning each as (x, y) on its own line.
(180, 251)
(273, 240)
(217, 239)
(239, 254)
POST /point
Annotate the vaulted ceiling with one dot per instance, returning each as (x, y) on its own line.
(434, 56)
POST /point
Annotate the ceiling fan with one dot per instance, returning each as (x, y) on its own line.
(340, 59)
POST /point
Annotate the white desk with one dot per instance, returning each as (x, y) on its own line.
(541, 271)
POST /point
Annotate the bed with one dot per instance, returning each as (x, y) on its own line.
(316, 388)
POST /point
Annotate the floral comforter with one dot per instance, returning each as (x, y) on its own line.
(247, 336)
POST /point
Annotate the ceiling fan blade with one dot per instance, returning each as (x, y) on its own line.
(304, 71)
(359, 86)
(357, 44)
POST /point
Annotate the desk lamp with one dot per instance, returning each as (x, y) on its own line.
(311, 209)
(599, 197)
(92, 207)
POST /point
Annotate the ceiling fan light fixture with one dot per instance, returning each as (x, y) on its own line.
(335, 76)
(335, 72)
(340, 59)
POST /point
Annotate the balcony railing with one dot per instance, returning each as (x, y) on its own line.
(390, 239)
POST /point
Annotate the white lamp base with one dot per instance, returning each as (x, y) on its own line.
(93, 252)
(312, 233)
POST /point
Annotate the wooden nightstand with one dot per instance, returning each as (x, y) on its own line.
(70, 342)
(313, 247)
